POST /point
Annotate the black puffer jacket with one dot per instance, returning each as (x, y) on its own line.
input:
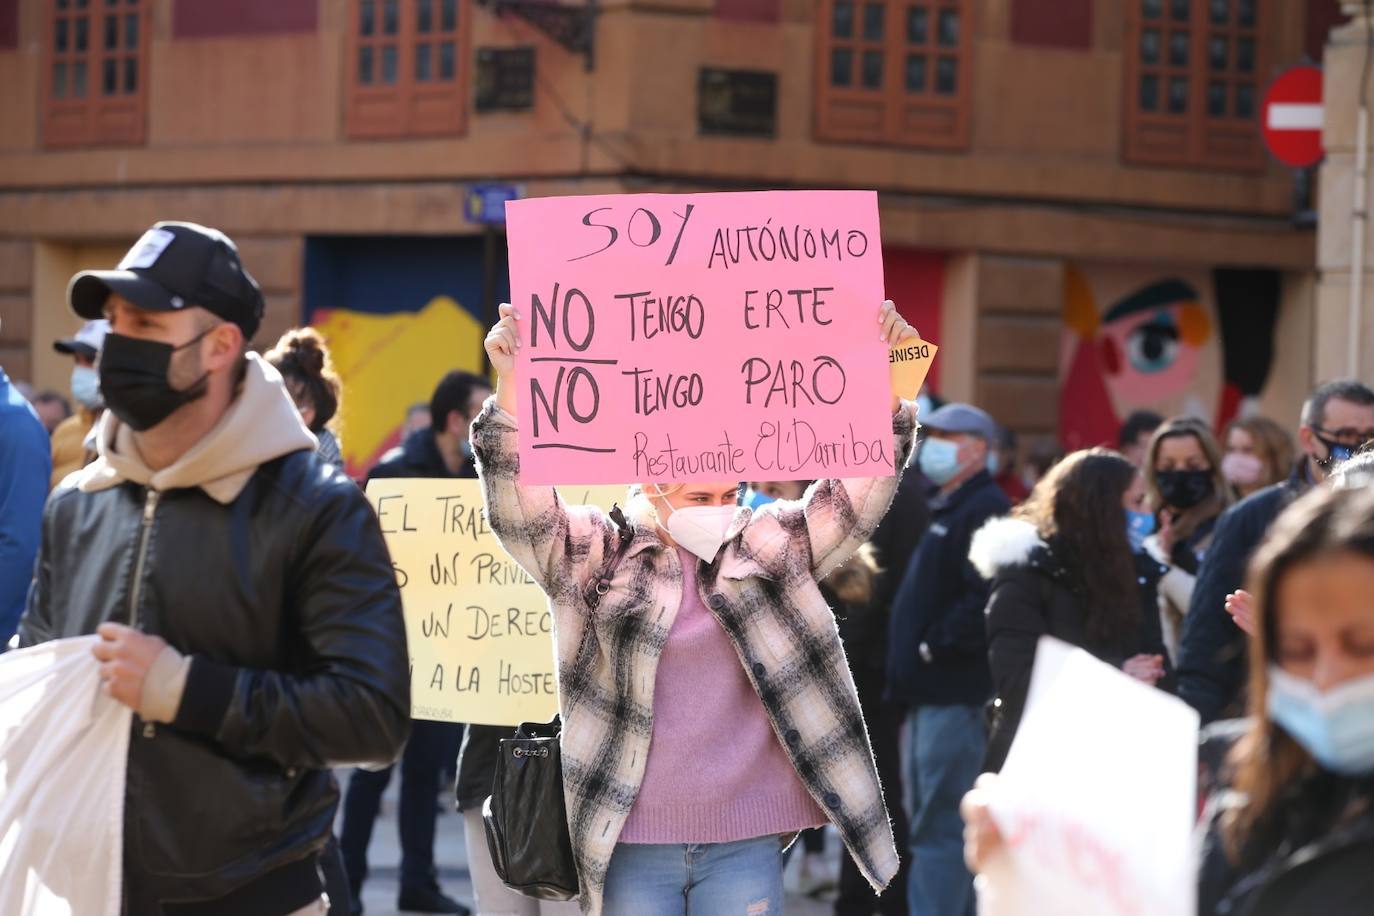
(1034, 595)
(1312, 855)
(286, 601)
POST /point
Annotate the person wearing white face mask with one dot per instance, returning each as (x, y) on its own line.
(1289, 822)
(69, 450)
(708, 712)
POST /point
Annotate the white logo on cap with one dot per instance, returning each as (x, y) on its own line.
(177, 302)
(147, 250)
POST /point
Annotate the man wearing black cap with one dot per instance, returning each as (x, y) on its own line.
(69, 451)
(938, 655)
(245, 600)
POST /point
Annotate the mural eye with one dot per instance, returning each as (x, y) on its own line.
(1152, 347)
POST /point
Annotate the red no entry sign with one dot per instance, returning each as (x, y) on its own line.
(1292, 117)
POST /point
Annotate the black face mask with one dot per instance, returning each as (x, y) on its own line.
(1185, 489)
(133, 380)
(1336, 452)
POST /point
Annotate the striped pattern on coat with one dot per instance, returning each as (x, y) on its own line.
(763, 590)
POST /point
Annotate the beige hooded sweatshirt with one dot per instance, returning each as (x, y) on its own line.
(261, 424)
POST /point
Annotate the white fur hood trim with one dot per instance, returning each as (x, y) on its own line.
(1002, 543)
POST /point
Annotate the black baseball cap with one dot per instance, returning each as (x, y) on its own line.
(85, 342)
(174, 266)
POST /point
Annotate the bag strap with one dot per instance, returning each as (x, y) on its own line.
(601, 584)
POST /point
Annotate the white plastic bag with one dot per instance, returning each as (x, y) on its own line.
(63, 756)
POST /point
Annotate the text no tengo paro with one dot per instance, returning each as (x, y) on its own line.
(569, 317)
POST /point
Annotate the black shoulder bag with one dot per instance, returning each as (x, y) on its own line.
(526, 819)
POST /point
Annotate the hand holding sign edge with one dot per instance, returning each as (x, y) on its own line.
(895, 329)
(501, 343)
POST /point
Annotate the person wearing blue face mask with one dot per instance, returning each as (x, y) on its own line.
(1337, 418)
(1068, 564)
(760, 493)
(937, 663)
(69, 448)
(1302, 766)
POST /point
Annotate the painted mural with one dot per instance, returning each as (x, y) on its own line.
(398, 313)
(1194, 342)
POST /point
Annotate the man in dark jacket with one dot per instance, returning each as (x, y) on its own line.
(937, 660)
(1336, 419)
(438, 450)
(865, 633)
(244, 597)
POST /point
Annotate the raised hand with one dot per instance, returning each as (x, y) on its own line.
(1241, 606)
(895, 329)
(501, 343)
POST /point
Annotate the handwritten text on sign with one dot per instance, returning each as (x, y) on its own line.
(700, 337)
(478, 627)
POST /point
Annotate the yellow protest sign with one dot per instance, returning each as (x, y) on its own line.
(910, 361)
(479, 629)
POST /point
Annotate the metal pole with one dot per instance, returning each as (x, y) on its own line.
(1359, 207)
(1359, 215)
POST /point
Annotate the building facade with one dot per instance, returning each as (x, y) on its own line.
(1076, 204)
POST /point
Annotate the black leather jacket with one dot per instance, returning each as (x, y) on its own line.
(287, 603)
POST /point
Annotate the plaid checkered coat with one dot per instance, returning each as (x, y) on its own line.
(762, 588)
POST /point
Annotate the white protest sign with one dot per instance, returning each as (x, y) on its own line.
(1096, 799)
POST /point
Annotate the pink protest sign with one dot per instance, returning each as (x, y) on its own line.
(700, 337)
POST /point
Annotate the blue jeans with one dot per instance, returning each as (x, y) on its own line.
(947, 745)
(712, 879)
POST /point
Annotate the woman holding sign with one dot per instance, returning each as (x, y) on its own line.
(1289, 822)
(708, 710)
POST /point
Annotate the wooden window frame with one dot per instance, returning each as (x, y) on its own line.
(95, 119)
(1196, 138)
(894, 115)
(409, 107)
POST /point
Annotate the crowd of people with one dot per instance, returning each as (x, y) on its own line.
(768, 660)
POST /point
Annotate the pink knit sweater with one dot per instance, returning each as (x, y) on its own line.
(716, 771)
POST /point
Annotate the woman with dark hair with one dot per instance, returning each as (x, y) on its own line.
(1289, 823)
(1063, 565)
(303, 361)
(1187, 487)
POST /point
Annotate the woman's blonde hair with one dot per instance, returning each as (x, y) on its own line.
(1222, 494)
(639, 506)
(1273, 446)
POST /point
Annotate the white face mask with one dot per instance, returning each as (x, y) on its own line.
(700, 529)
